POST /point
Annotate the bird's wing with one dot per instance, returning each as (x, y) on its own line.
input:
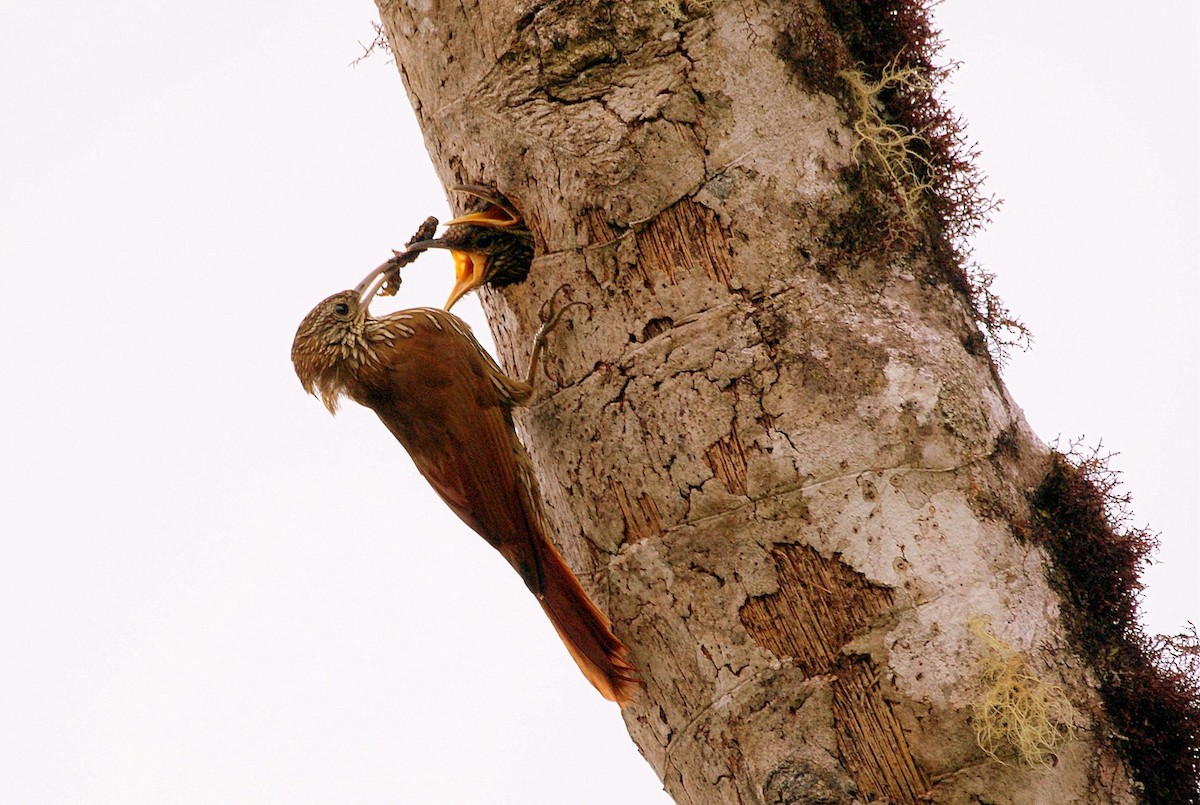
(450, 408)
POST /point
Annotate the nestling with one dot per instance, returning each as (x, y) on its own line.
(490, 244)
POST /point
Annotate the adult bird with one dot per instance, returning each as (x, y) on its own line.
(490, 244)
(448, 403)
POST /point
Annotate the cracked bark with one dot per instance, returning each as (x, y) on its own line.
(768, 449)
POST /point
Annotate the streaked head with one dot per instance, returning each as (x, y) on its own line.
(331, 342)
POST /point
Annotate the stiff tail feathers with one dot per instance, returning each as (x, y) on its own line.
(586, 632)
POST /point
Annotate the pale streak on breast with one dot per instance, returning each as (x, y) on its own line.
(500, 387)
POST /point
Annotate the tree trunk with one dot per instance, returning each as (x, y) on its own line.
(777, 453)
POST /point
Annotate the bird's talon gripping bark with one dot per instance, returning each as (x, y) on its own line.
(550, 324)
(549, 317)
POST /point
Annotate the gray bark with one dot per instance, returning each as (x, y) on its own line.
(775, 459)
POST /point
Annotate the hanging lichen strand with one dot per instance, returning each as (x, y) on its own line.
(880, 60)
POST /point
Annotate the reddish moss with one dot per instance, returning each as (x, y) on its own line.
(889, 35)
(1150, 695)
(814, 50)
(866, 230)
(881, 36)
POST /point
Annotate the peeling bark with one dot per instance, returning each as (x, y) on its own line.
(774, 452)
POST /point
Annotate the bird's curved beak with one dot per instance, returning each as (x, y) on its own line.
(371, 284)
(501, 213)
(469, 267)
(492, 216)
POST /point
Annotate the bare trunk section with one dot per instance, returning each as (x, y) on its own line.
(776, 455)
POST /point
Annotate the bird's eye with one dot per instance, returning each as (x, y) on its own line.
(341, 309)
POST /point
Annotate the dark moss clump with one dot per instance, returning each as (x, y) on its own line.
(814, 50)
(881, 38)
(867, 229)
(888, 36)
(1149, 688)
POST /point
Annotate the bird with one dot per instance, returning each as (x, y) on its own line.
(490, 244)
(450, 405)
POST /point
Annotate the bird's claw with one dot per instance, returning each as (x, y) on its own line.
(549, 317)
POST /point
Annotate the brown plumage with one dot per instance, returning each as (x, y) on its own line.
(490, 244)
(448, 403)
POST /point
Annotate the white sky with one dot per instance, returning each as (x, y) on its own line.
(212, 591)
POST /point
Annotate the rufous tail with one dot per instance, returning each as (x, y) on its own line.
(586, 631)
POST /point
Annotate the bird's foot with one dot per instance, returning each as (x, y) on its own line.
(550, 317)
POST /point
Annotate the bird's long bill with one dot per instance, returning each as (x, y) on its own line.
(469, 267)
(371, 284)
